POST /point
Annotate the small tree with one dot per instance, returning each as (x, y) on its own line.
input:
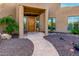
(11, 24)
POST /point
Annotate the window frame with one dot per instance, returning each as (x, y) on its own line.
(55, 22)
(64, 6)
(72, 21)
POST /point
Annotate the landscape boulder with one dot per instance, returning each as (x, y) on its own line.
(6, 36)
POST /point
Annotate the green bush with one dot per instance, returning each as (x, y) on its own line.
(75, 31)
(11, 24)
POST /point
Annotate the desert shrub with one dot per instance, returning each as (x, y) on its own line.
(11, 24)
(75, 31)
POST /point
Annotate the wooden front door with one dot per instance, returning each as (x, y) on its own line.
(31, 23)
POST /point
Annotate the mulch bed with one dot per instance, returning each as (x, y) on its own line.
(64, 45)
(16, 47)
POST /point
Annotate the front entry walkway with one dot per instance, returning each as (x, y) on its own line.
(41, 46)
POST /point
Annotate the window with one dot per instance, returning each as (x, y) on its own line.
(25, 23)
(73, 22)
(69, 4)
(37, 23)
(51, 24)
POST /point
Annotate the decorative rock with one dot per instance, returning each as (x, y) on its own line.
(72, 50)
(0, 35)
(6, 36)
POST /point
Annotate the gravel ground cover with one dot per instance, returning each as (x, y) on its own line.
(64, 43)
(16, 47)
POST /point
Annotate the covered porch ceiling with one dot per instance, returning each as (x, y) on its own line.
(32, 11)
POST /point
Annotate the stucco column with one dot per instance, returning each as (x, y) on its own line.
(46, 22)
(21, 14)
(17, 13)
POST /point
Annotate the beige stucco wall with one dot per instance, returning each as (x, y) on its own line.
(42, 22)
(7, 9)
(62, 17)
(61, 14)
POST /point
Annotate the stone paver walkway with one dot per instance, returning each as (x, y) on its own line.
(41, 46)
